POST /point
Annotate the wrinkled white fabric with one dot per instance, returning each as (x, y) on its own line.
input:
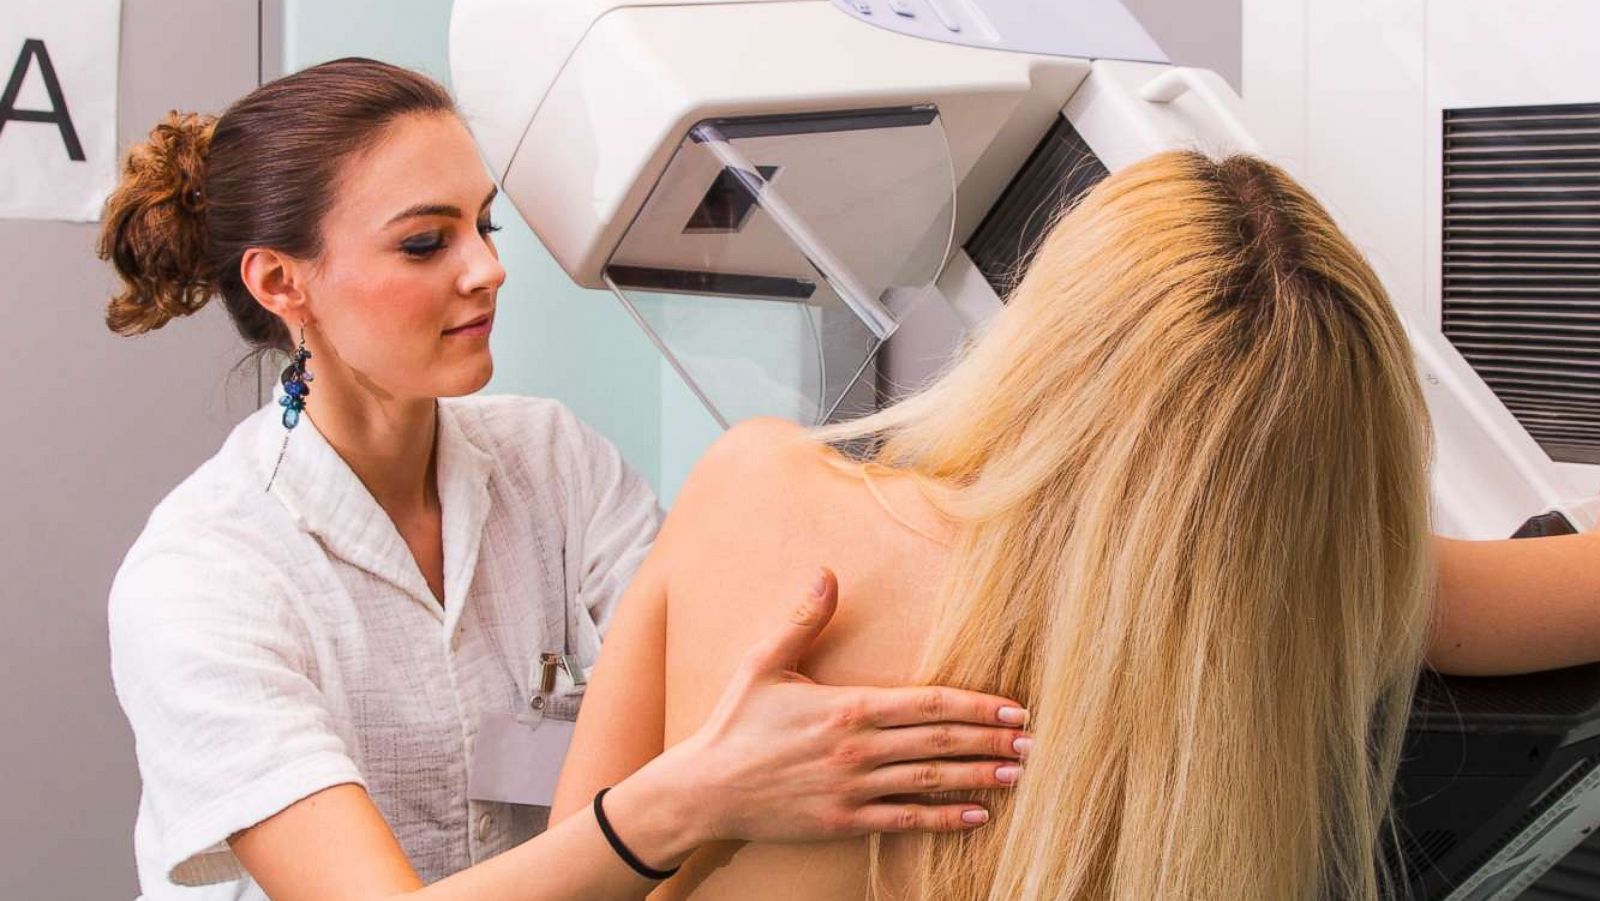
(267, 645)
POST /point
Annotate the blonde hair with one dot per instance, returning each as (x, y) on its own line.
(1187, 463)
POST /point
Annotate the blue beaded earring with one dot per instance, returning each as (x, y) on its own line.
(294, 380)
(295, 391)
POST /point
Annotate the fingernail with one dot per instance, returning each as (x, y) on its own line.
(1022, 746)
(1008, 774)
(821, 585)
(975, 817)
(1015, 716)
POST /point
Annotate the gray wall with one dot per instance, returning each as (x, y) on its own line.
(97, 428)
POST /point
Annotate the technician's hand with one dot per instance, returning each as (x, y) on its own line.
(783, 759)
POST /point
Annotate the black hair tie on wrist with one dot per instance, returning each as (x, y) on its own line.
(627, 856)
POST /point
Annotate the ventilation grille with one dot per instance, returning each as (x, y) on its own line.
(1060, 169)
(1522, 264)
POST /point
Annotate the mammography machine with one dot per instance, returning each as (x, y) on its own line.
(808, 204)
(778, 217)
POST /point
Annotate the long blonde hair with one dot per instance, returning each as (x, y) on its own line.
(1188, 466)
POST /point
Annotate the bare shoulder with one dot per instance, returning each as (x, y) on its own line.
(764, 451)
(762, 437)
(764, 466)
(767, 505)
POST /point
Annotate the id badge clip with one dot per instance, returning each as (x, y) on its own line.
(547, 699)
(517, 758)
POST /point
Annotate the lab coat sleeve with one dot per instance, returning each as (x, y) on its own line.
(616, 516)
(212, 671)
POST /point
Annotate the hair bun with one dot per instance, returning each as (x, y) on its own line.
(153, 229)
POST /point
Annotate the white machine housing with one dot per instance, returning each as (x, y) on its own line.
(1351, 96)
(606, 92)
(606, 89)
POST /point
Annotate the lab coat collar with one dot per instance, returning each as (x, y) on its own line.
(326, 499)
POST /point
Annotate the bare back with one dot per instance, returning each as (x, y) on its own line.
(776, 517)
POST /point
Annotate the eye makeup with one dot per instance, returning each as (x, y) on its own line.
(424, 246)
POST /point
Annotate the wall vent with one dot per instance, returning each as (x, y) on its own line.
(1521, 264)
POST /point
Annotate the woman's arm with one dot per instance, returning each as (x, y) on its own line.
(765, 767)
(1517, 605)
(623, 722)
(335, 845)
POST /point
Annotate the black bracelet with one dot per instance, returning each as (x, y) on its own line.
(621, 849)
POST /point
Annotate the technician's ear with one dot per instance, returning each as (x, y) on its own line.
(277, 281)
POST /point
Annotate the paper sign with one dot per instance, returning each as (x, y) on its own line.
(58, 107)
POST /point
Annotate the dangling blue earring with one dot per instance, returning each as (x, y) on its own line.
(294, 378)
(295, 392)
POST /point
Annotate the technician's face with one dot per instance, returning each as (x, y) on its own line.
(404, 293)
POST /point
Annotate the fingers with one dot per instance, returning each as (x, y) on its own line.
(916, 706)
(782, 650)
(942, 740)
(920, 817)
(928, 776)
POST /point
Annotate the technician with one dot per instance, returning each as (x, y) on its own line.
(352, 642)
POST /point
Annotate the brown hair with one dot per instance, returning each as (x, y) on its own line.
(203, 189)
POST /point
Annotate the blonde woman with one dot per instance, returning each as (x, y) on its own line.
(1173, 500)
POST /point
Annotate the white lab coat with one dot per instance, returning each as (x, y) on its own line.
(266, 645)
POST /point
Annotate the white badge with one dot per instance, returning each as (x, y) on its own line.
(516, 760)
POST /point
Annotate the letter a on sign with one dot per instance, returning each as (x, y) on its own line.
(58, 108)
